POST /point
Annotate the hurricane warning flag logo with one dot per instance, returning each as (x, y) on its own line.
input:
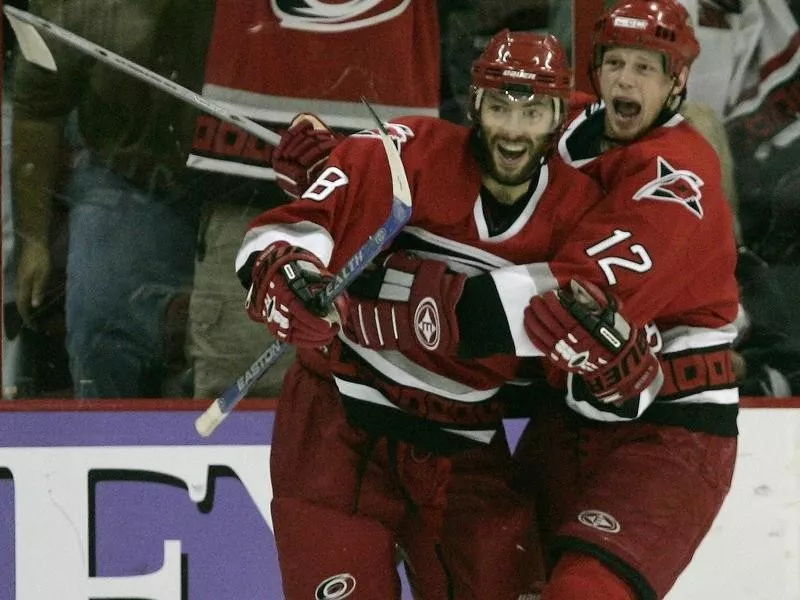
(674, 185)
(335, 16)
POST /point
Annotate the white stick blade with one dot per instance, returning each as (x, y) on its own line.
(400, 187)
(31, 44)
(209, 420)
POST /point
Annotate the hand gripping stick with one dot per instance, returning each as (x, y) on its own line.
(399, 216)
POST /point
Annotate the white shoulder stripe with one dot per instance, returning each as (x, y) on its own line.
(487, 259)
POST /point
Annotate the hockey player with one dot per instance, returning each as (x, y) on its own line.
(622, 504)
(375, 448)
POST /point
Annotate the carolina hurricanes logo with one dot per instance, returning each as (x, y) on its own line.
(319, 15)
(337, 587)
(674, 185)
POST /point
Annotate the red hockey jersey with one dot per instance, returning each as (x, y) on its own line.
(271, 60)
(447, 400)
(661, 240)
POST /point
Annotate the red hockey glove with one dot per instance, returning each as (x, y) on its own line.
(409, 303)
(581, 331)
(287, 282)
(302, 152)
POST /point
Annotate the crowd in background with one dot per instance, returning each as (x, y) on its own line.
(747, 75)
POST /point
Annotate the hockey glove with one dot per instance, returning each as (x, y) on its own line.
(408, 303)
(302, 152)
(287, 283)
(581, 330)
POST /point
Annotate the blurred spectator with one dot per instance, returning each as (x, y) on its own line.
(710, 125)
(763, 123)
(766, 355)
(132, 209)
(767, 358)
(748, 72)
(10, 342)
(34, 360)
(334, 60)
(767, 350)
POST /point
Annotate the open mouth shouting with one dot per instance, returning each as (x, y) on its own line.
(511, 156)
(624, 117)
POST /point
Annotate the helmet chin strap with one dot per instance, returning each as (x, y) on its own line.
(673, 101)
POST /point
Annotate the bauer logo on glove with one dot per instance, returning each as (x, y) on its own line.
(582, 331)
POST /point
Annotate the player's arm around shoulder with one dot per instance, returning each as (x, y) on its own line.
(349, 199)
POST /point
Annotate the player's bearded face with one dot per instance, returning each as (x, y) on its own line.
(515, 131)
(634, 86)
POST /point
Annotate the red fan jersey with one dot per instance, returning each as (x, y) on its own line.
(454, 219)
(271, 60)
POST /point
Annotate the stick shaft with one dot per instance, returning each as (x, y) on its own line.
(207, 422)
(226, 402)
(143, 74)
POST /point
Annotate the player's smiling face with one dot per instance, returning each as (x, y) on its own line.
(634, 86)
(515, 130)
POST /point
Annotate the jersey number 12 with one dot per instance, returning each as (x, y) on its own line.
(607, 263)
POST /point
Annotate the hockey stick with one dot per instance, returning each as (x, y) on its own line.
(35, 50)
(401, 212)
